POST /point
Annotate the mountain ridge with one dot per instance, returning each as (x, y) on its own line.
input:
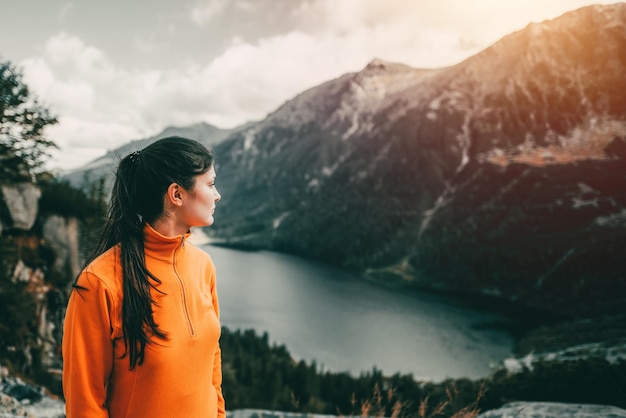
(104, 166)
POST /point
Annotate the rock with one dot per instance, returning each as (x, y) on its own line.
(11, 407)
(47, 408)
(44, 408)
(22, 202)
(20, 399)
(24, 393)
(61, 234)
(262, 413)
(554, 410)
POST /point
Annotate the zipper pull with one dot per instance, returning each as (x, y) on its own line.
(183, 241)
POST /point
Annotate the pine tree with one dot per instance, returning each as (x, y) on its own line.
(23, 146)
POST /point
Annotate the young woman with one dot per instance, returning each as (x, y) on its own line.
(141, 332)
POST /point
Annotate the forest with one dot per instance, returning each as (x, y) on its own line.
(259, 375)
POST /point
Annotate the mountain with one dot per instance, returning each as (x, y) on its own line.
(104, 166)
(503, 175)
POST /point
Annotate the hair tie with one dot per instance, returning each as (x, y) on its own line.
(133, 156)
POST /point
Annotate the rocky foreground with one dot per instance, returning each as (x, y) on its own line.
(512, 410)
(47, 408)
(20, 399)
(551, 409)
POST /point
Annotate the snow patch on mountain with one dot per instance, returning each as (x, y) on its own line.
(612, 353)
(278, 220)
(429, 214)
(614, 220)
(249, 137)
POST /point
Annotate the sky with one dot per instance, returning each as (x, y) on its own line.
(120, 70)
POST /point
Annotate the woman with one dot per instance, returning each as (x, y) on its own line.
(141, 332)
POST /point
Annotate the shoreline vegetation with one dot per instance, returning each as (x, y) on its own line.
(571, 362)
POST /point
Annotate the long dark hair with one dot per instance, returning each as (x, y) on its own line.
(141, 180)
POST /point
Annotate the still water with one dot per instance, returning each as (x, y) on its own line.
(347, 324)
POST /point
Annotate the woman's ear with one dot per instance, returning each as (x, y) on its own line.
(174, 195)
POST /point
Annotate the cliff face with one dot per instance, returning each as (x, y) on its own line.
(39, 255)
(502, 175)
(19, 204)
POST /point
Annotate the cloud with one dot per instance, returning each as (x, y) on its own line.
(87, 140)
(96, 102)
(70, 56)
(64, 12)
(204, 11)
(247, 6)
(438, 33)
(144, 45)
(395, 30)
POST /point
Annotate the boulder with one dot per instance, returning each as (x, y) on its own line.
(20, 399)
(11, 407)
(61, 234)
(554, 410)
(22, 203)
(264, 413)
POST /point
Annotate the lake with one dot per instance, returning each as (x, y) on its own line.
(346, 323)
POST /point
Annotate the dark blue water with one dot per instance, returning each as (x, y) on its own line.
(345, 323)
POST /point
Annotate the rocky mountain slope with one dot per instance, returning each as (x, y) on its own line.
(502, 175)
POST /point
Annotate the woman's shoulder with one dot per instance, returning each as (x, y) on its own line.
(199, 254)
(196, 249)
(106, 268)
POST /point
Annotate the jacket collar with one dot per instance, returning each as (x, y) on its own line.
(160, 246)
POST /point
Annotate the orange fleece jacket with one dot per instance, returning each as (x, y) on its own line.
(180, 376)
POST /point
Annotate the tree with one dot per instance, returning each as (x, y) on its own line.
(23, 146)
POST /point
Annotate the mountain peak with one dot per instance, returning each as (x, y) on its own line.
(378, 64)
